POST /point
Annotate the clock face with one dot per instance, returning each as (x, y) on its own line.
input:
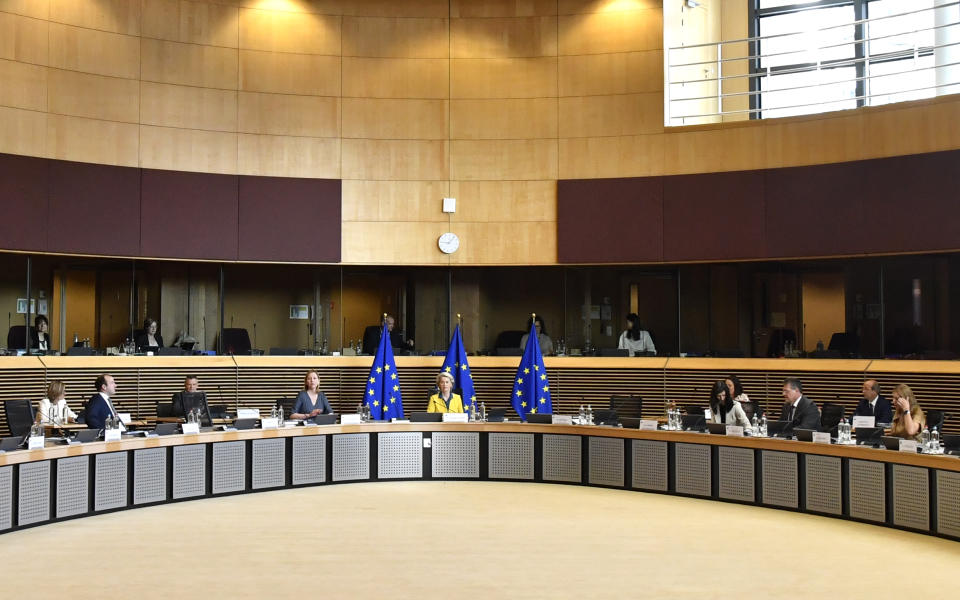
(448, 242)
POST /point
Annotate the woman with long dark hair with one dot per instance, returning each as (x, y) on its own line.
(635, 338)
(724, 409)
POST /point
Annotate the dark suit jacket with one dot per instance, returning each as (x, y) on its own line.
(303, 405)
(371, 339)
(883, 411)
(141, 340)
(96, 412)
(35, 339)
(807, 415)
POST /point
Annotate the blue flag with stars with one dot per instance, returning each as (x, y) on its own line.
(382, 393)
(456, 364)
(531, 389)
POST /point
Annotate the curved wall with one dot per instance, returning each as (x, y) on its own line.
(490, 101)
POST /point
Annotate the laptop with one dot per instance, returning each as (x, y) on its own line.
(245, 423)
(217, 411)
(717, 428)
(167, 429)
(426, 417)
(804, 435)
(890, 442)
(603, 416)
(87, 435)
(330, 419)
(868, 436)
(951, 444)
(496, 415)
(540, 418)
(777, 428)
(10, 444)
(630, 422)
(693, 422)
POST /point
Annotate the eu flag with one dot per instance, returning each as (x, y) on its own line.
(531, 390)
(383, 387)
(456, 364)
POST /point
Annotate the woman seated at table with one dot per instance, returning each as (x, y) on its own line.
(908, 419)
(150, 338)
(310, 401)
(445, 401)
(724, 409)
(54, 407)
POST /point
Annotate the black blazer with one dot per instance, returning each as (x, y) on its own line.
(35, 339)
(141, 340)
(883, 412)
(807, 415)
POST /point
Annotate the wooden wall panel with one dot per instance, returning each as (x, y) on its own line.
(394, 159)
(283, 31)
(924, 127)
(487, 119)
(504, 243)
(696, 151)
(425, 9)
(188, 150)
(188, 107)
(503, 78)
(576, 7)
(392, 243)
(396, 77)
(100, 142)
(788, 144)
(91, 51)
(503, 37)
(24, 85)
(618, 156)
(624, 114)
(286, 114)
(502, 8)
(118, 16)
(620, 31)
(395, 118)
(302, 74)
(24, 39)
(508, 159)
(189, 64)
(394, 200)
(191, 22)
(38, 9)
(94, 96)
(23, 132)
(288, 156)
(618, 73)
(395, 37)
(504, 201)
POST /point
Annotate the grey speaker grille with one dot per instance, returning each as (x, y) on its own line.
(693, 469)
(6, 497)
(735, 471)
(510, 455)
(824, 489)
(189, 471)
(400, 455)
(110, 481)
(867, 490)
(309, 459)
(911, 497)
(73, 486)
(229, 467)
(33, 498)
(455, 454)
(650, 465)
(562, 458)
(606, 461)
(948, 503)
(779, 478)
(351, 456)
(149, 475)
(269, 463)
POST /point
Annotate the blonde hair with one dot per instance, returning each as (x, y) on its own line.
(314, 371)
(904, 391)
(55, 389)
(443, 374)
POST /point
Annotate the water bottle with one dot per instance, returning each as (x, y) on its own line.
(279, 415)
(763, 425)
(589, 414)
(935, 441)
(755, 424)
(473, 412)
(925, 444)
(582, 417)
(483, 411)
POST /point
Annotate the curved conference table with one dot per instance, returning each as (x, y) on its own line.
(908, 491)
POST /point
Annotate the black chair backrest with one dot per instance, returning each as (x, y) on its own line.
(236, 340)
(80, 351)
(935, 418)
(166, 409)
(627, 406)
(20, 416)
(509, 339)
(614, 352)
(846, 343)
(830, 415)
(509, 351)
(750, 409)
(17, 337)
(276, 351)
(693, 409)
(286, 404)
(605, 417)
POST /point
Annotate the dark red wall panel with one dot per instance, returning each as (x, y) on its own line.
(289, 219)
(714, 216)
(94, 209)
(610, 220)
(23, 201)
(189, 215)
(912, 203)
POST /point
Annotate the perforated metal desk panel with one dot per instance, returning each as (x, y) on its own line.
(915, 492)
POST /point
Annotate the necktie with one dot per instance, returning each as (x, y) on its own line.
(793, 410)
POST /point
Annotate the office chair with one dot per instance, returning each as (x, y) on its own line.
(830, 415)
(20, 416)
(936, 418)
(236, 340)
(17, 337)
(627, 406)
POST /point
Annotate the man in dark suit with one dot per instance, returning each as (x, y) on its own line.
(873, 404)
(799, 411)
(371, 338)
(99, 406)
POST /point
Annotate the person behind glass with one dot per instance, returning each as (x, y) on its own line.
(310, 401)
(635, 338)
(53, 408)
(39, 338)
(546, 344)
(445, 401)
(99, 406)
(371, 337)
(150, 338)
(724, 409)
(873, 404)
(908, 420)
(798, 411)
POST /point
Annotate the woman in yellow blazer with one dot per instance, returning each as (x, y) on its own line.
(446, 401)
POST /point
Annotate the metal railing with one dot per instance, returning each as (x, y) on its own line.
(803, 74)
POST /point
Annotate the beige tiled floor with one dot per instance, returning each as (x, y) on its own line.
(465, 540)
